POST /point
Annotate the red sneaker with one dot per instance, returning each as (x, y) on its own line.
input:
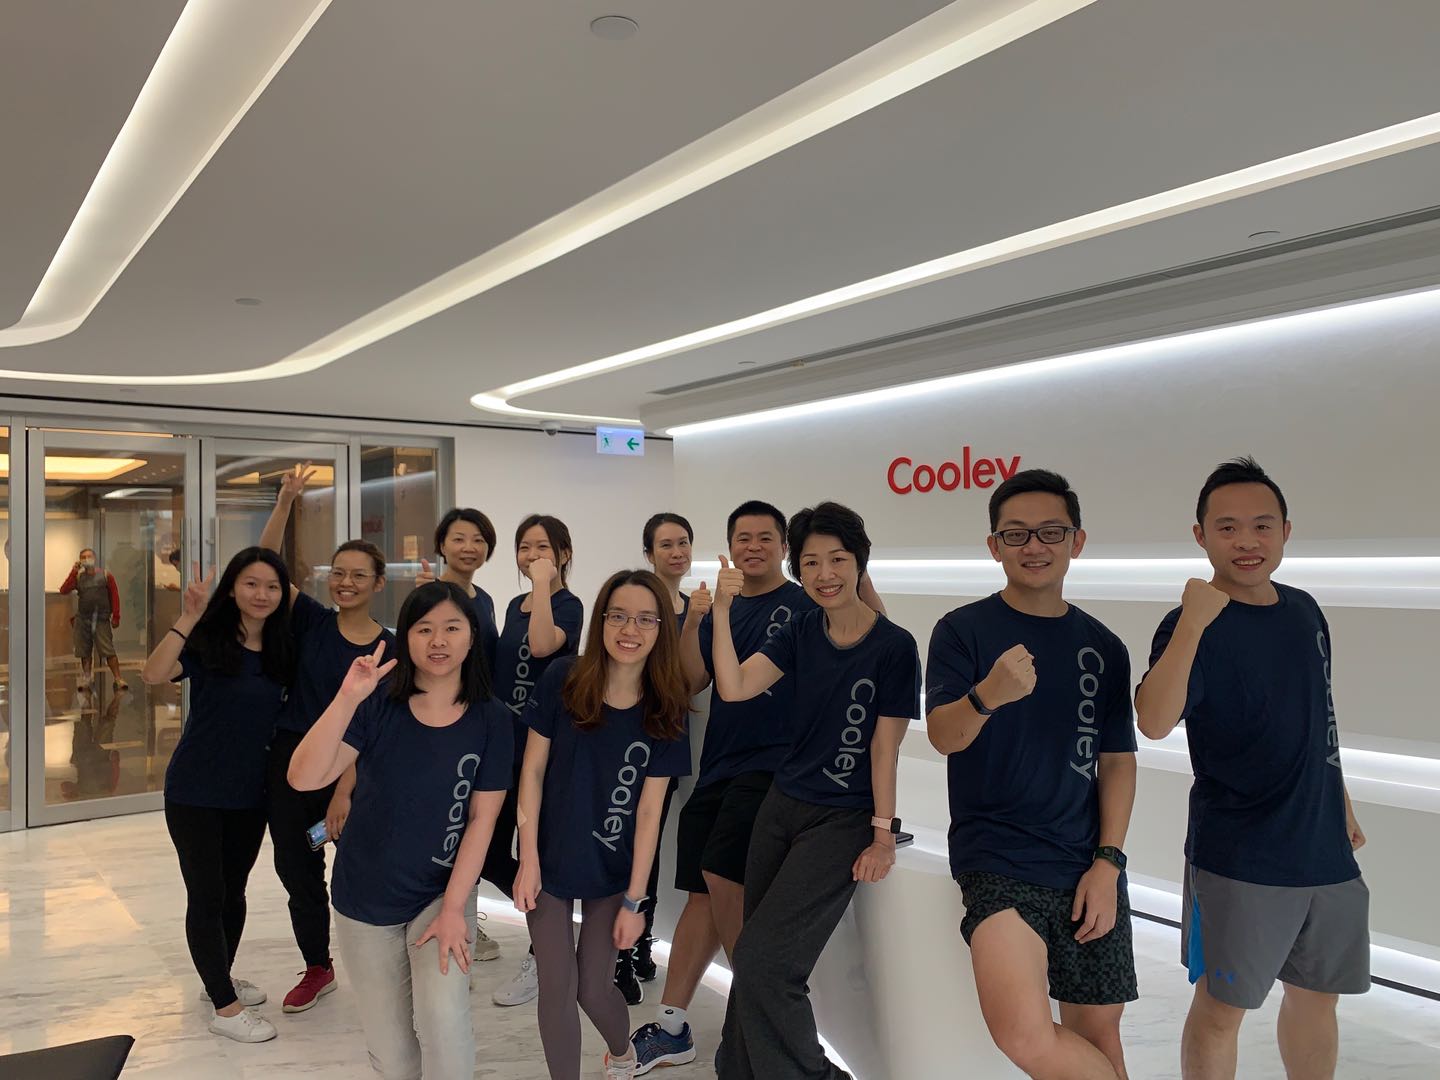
(315, 982)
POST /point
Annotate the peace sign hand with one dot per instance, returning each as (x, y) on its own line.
(197, 593)
(292, 483)
(365, 675)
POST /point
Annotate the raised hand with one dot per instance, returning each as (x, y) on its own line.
(1011, 678)
(365, 675)
(197, 593)
(700, 601)
(426, 574)
(292, 484)
(1201, 603)
(728, 583)
(542, 572)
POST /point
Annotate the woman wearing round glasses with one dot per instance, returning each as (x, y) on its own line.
(327, 642)
(607, 732)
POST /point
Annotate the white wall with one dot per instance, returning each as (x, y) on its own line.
(1337, 405)
(604, 500)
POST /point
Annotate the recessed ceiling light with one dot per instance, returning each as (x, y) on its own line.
(614, 27)
(247, 301)
(1265, 234)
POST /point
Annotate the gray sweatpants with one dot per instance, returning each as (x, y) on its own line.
(798, 882)
(577, 977)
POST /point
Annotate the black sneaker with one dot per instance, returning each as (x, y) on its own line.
(644, 962)
(625, 978)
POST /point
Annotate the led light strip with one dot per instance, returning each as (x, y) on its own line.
(1371, 146)
(1148, 350)
(929, 48)
(219, 58)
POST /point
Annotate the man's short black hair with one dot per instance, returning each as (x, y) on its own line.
(753, 508)
(1022, 483)
(829, 519)
(1240, 470)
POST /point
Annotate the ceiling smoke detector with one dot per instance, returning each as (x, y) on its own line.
(614, 27)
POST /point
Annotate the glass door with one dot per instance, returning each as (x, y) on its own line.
(12, 569)
(111, 535)
(241, 480)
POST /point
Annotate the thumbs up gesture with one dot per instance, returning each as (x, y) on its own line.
(727, 583)
(700, 601)
(426, 574)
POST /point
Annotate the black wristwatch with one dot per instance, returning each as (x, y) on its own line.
(974, 698)
(1111, 855)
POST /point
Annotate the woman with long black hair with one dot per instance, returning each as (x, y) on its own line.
(432, 753)
(541, 626)
(238, 654)
(607, 732)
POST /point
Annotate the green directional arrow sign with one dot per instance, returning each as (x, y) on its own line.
(626, 442)
(632, 444)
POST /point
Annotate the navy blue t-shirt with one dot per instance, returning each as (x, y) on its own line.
(517, 673)
(1023, 797)
(750, 736)
(323, 656)
(489, 632)
(592, 788)
(680, 613)
(1268, 802)
(412, 804)
(220, 759)
(839, 695)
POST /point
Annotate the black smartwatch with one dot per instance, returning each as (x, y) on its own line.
(890, 825)
(1111, 855)
(974, 698)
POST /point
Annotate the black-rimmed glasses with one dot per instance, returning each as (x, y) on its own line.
(1048, 534)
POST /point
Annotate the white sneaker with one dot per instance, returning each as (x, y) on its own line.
(245, 1026)
(249, 994)
(486, 947)
(620, 1070)
(522, 988)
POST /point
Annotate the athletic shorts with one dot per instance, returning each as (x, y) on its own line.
(713, 833)
(1099, 972)
(1242, 937)
(96, 637)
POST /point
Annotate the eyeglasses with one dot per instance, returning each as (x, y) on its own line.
(1048, 534)
(644, 621)
(360, 577)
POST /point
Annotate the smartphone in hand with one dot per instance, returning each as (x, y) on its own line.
(318, 835)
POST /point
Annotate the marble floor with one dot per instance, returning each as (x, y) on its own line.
(92, 942)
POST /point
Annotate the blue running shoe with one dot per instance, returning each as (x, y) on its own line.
(654, 1046)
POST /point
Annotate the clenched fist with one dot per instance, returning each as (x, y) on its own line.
(1012, 678)
(728, 583)
(1201, 603)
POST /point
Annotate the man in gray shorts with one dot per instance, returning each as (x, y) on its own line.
(1272, 889)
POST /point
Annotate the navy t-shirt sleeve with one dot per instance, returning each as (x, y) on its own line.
(671, 757)
(543, 711)
(951, 669)
(1117, 730)
(569, 615)
(707, 641)
(898, 692)
(305, 614)
(189, 664)
(365, 723)
(782, 647)
(497, 763)
(1196, 691)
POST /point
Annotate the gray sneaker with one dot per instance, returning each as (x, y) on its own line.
(522, 988)
(486, 947)
(249, 994)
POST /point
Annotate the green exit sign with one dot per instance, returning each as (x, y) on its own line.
(627, 442)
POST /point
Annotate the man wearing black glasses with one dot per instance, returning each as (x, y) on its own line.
(1028, 698)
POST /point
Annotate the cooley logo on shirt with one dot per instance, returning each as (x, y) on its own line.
(459, 814)
(850, 752)
(1092, 666)
(520, 692)
(622, 795)
(1332, 730)
(778, 618)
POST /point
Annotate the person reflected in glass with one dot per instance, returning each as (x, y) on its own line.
(96, 617)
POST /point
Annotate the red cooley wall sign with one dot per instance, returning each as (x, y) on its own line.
(905, 476)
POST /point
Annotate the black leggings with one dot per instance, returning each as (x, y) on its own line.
(217, 849)
(300, 868)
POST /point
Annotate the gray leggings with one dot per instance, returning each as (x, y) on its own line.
(577, 978)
